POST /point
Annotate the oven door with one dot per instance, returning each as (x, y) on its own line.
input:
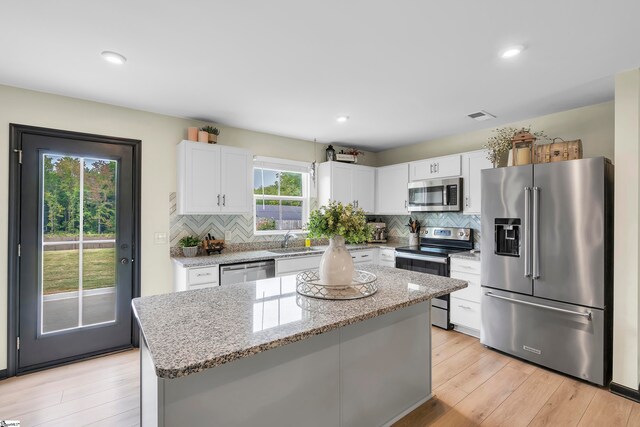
(438, 266)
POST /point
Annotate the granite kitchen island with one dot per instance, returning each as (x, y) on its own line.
(260, 354)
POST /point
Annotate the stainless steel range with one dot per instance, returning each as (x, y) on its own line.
(432, 257)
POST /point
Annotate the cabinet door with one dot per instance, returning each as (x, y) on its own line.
(341, 183)
(472, 164)
(444, 167)
(236, 179)
(391, 189)
(363, 187)
(422, 169)
(198, 179)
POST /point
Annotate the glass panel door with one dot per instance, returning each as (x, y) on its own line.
(76, 235)
(78, 263)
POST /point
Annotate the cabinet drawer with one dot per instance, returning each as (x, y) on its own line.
(387, 255)
(204, 285)
(472, 292)
(465, 313)
(364, 256)
(198, 276)
(296, 264)
(465, 266)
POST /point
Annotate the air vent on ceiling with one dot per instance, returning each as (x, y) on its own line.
(481, 116)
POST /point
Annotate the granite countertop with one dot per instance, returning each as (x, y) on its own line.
(474, 256)
(188, 332)
(264, 254)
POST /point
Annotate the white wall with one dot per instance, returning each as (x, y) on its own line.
(626, 348)
(593, 124)
(159, 135)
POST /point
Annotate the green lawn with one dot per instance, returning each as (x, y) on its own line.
(61, 270)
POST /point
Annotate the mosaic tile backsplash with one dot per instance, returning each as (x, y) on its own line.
(398, 229)
(237, 230)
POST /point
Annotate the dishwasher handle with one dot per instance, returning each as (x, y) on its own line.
(249, 266)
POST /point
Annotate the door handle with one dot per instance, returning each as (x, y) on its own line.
(405, 204)
(437, 167)
(224, 200)
(218, 200)
(124, 261)
(431, 168)
(586, 315)
(535, 232)
(526, 235)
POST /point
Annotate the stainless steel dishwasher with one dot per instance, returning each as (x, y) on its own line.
(247, 272)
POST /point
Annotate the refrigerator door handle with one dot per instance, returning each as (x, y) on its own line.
(535, 233)
(586, 315)
(527, 232)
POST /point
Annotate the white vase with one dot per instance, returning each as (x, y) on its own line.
(190, 251)
(413, 239)
(336, 265)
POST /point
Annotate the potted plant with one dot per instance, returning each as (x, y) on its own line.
(189, 245)
(339, 223)
(501, 143)
(213, 133)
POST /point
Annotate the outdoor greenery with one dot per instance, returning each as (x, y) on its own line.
(277, 183)
(61, 269)
(263, 224)
(337, 219)
(62, 196)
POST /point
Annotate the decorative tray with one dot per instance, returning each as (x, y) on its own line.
(363, 285)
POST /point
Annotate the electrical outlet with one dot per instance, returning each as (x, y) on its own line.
(160, 238)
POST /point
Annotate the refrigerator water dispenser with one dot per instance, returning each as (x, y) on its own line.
(507, 232)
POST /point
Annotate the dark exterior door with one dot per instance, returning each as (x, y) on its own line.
(77, 243)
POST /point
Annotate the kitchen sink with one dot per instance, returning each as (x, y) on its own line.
(294, 250)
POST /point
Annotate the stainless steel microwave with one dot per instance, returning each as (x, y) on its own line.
(435, 195)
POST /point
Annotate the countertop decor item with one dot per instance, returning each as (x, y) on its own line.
(522, 148)
(192, 134)
(363, 284)
(189, 245)
(559, 150)
(338, 223)
(355, 153)
(500, 144)
(212, 134)
(203, 136)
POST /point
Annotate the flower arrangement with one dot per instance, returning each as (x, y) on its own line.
(337, 219)
(354, 152)
(500, 143)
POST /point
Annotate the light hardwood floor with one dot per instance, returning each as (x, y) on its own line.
(472, 386)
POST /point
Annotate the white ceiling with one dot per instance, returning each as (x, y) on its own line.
(404, 71)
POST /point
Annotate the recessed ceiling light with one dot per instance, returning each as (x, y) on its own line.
(512, 51)
(113, 57)
(342, 119)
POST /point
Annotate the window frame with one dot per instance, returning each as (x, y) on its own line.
(305, 198)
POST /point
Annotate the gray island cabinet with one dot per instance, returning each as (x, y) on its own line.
(259, 354)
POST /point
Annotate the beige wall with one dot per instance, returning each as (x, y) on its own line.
(159, 135)
(626, 348)
(592, 124)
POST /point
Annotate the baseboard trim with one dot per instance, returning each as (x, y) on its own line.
(625, 391)
(3, 374)
(407, 411)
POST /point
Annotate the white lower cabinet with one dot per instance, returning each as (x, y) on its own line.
(190, 278)
(287, 266)
(387, 257)
(465, 304)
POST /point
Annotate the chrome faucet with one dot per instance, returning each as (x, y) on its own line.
(287, 237)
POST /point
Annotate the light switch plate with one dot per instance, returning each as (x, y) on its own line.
(160, 238)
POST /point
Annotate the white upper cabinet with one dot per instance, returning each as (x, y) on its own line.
(347, 183)
(391, 189)
(472, 163)
(213, 179)
(438, 167)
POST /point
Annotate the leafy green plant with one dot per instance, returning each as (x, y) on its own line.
(189, 242)
(211, 129)
(337, 219)
(265, 224)
(500, 143)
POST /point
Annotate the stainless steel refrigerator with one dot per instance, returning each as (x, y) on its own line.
(547, 265)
